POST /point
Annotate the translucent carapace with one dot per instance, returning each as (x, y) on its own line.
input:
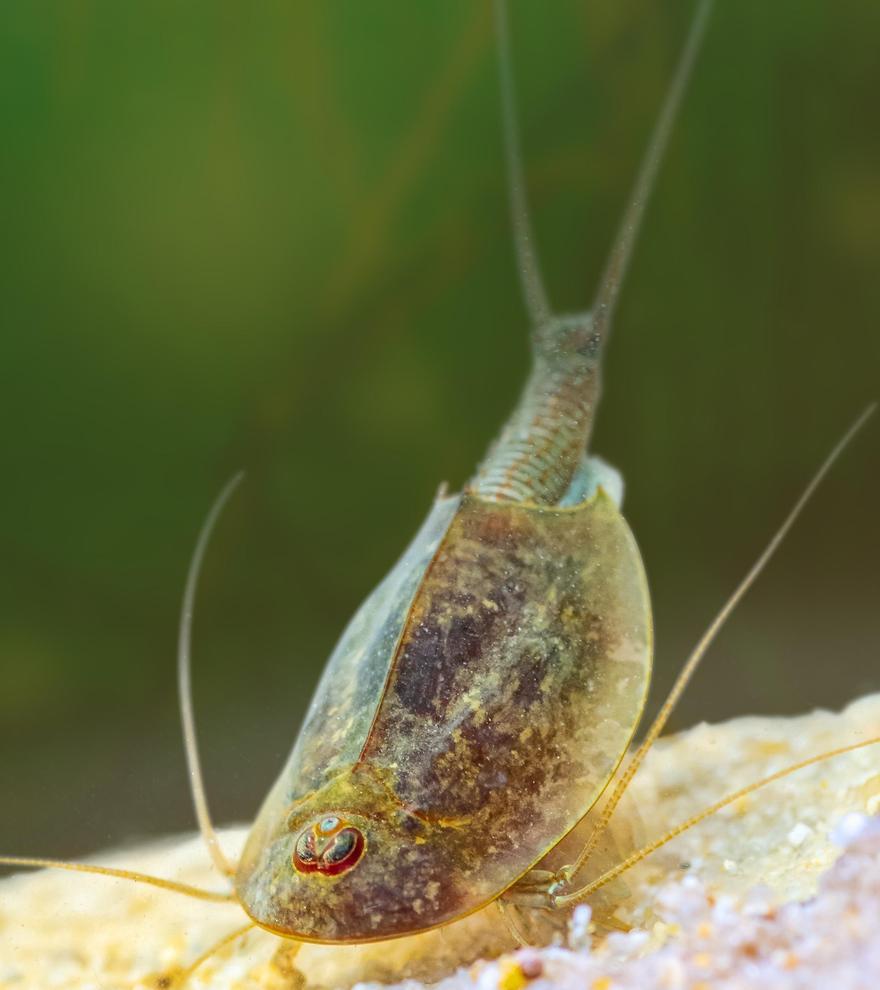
(481, 699)
(472, 712)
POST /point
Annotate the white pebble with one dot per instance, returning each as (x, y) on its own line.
(799, 834)
(849, 828)
(579, 927)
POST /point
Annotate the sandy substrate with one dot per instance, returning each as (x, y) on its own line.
(782, 890)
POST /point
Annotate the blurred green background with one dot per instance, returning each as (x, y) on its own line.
(274, 236)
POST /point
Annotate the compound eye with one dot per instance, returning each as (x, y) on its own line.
(345, 850)
(328, 846)
(305, 859)
(342, 847)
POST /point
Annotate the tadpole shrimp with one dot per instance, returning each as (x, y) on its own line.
(485, 696)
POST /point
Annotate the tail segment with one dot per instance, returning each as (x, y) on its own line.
(544, 441)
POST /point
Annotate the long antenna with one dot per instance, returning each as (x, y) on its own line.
(566, 900)
(197, 784)
(621, 252)
(706, 641)
(182, 978)
(527, 259)
(38, 863)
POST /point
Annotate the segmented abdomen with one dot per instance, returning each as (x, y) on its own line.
(543, 442)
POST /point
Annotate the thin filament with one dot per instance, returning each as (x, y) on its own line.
(705, 642)
(108, 871)
(574, 897)
(515, 932)
(528, 266)
(197, 784)
(183, 977)
(621, 252)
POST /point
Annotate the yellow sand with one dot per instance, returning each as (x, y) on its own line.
(66, 931)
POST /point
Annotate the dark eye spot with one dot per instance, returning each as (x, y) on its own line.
(343, 853)
(316, 852)
(304, 857)
(342, 847)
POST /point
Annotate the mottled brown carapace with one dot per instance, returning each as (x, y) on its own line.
(481, 699)
(471, 715)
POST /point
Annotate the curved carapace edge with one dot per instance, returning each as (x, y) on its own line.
(471, 715)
